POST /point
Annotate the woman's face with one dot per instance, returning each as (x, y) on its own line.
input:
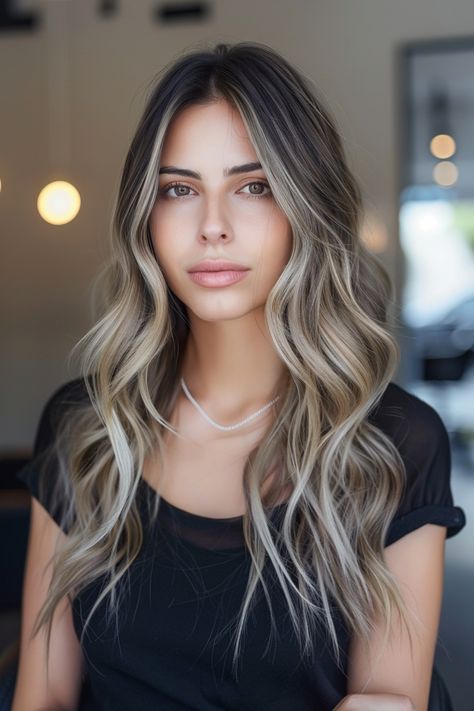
(213, 215)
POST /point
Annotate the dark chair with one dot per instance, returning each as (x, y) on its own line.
(439, 697)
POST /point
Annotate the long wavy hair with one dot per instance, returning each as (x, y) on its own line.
(327, 316)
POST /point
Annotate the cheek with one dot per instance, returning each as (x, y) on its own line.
(274, 255)
(281, 243)
(164, 240)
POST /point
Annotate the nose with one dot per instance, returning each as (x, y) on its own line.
(215, 226)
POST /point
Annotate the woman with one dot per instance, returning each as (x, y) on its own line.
(246, 512)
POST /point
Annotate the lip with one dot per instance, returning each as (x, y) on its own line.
(217, 265)
(218, 278)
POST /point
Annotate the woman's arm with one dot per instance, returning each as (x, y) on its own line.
(375, 702)
(403, 681)
(33, 690)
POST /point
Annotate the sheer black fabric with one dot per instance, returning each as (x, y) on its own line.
(423, 442)
(174, 646)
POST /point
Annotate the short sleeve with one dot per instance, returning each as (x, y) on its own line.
(41, 474)
(423, 442)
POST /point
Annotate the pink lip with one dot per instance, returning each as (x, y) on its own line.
(216, 279)
(216, 265)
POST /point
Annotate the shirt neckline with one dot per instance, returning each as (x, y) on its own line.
(199, 517)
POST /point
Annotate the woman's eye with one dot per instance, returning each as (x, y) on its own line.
(260, 189)
(179, 187)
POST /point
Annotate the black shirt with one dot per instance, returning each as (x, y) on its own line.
(173, 651)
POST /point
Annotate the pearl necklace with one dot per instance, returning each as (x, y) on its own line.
(225, 427)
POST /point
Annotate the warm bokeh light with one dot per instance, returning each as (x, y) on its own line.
(374, 233)
(443, 146)
(445, 173)
(59, 202)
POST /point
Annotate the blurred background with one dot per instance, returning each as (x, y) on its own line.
(399, 80)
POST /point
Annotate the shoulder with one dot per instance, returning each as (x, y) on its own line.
(398, 404)
(69, 393)
(60, 401)
(45, 473)
(408, 420)
(421, 437)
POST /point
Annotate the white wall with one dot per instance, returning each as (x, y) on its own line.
(347, 47)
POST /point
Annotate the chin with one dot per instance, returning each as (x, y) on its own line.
(216, 316)
(216, 313)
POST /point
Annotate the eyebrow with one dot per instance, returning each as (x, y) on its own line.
(235, 170)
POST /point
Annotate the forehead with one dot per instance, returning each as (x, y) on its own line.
(203, 133)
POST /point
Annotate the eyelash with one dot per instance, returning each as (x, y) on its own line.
(165, 190)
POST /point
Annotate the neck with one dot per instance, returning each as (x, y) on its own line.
(231, 367)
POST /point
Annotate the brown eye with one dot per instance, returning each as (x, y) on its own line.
(180, 190)
(260, 186)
